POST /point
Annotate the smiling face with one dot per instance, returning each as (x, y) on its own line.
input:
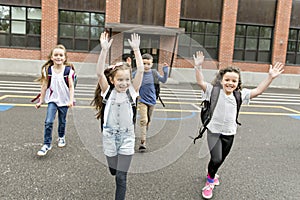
(148, 63)
(121, 80)
(230, 82)
(58, 56)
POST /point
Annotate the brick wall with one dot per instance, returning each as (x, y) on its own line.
(172, 13)
(49, 37)
(113, 11)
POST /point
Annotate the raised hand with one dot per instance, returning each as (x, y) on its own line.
(276, 70)
(104, 41)
(135, 41)
(198, 59)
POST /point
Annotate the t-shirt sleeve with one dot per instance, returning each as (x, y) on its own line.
(207, 93)
(246, 96)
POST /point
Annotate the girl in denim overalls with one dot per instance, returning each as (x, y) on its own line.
(118, 126)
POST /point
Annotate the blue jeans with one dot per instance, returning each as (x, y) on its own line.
(62, 115)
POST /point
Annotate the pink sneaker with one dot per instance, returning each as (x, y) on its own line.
(216, 180)
(207, 190)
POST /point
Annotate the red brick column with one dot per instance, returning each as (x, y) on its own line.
(230, 9)
(49, 27)
(113, 11)
(172, 13)
(281, 30)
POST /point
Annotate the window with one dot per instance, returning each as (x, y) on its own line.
(80, 30)
(253, 43)
(199, 35)
(293, 48)
(146, 12)
(20, 27)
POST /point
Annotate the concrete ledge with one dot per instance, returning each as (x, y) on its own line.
(24, 67)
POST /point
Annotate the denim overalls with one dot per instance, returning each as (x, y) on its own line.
(118, 131)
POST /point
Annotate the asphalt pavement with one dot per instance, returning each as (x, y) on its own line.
(263, 163)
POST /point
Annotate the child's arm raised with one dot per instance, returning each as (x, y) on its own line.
(273, 73)
(105, 45)
(135, 45)
(198, 60)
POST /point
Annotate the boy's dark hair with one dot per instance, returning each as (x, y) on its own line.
(147, 56)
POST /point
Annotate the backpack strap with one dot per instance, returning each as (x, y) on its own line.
(213, 102)
(156, 84)
(238, 98)
(133, 105)
(104, 101)
(49, 76)
(66, 74)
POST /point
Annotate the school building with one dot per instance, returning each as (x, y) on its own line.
(250, 34)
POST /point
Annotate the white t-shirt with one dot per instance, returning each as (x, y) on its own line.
(58, 91)
(224, 116)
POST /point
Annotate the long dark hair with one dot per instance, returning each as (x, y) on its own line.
(109, 73)
(219, 76)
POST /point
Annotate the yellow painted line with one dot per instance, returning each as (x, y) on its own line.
(4, 97)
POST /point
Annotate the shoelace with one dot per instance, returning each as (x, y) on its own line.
(209, 186)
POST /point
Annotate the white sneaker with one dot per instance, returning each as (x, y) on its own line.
(61, 142)
(45, 148)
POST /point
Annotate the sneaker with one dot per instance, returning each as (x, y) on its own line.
(45, 148)
(207, 190)
(216, 180)
(142, 148)
(61, 142)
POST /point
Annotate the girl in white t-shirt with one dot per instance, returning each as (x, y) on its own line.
(117, 119)
(222, 127)
(58, 92)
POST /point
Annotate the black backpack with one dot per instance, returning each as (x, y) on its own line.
(104, 101)
(208, 107)
(157, 86)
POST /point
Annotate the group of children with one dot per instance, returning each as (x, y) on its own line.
(114, 100)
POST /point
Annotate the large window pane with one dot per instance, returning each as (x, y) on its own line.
(82, 31)
(4, 12)
(264, 45)
(199, 27)
(81, 44)
(252, 31)
(66, 16)
(239, 43)
(240, 30)
(66, 31)
(265, 32)
(97, 19)
(4, 26)
(18, 27)
(34, 13)
(211, 41)
(251, 44)
(18, 13)
(34, 28)
(212, 28)
(82, 18)
(18, 41)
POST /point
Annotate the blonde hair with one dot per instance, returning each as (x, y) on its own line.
(49, 63)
